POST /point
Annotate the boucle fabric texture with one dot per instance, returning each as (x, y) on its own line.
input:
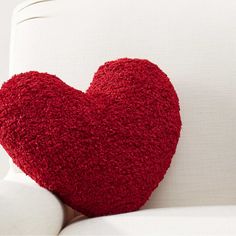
(103, 151)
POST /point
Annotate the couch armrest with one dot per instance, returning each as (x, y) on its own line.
(27, 209)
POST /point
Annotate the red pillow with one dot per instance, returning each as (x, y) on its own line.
(101, 152)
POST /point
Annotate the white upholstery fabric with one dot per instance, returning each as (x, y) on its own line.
(27, 209)
(183, 221)
(192, 41)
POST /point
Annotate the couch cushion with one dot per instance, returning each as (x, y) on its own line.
(218, 220)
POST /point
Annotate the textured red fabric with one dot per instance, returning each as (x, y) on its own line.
(102, 152)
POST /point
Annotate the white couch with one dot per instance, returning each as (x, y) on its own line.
(194, 42)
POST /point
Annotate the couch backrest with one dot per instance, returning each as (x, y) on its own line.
(192, 41)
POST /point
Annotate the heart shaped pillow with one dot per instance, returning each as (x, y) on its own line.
(101, 152)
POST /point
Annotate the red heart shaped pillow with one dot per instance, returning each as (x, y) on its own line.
(102, 152)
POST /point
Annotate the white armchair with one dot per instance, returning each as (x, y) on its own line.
(194, 43)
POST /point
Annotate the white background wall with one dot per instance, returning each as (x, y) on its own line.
(6, 7)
